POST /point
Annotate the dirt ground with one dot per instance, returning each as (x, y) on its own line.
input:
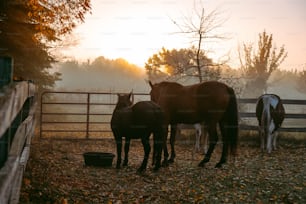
(56, 173)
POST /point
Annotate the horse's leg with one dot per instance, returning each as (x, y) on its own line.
(271, 136)
(165, 148)
(205, 138)
(225, 146)
(213, 139)
(126, 151)
(154, 152)
(269, 142)
(146, 146)
(262, 138)
(198, 128)
(157, 149)
(274, 139)
(119, 149)
(172, 142)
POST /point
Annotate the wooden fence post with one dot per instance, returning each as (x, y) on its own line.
(6, 70)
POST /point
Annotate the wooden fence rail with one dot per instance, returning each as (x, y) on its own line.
(17, 119)
(284, 128)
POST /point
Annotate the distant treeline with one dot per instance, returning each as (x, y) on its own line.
(101, 75)
(118, 75)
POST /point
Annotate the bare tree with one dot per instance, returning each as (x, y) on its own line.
(202, 27)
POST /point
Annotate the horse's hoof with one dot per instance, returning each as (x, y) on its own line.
(201, 164)
(218, 165)
(171, 161)
(165, 163)
(140, 170)
(157, 166)
(155, 169)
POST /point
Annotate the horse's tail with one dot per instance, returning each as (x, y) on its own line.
(158, 135)
(265, 118)
(232, 122)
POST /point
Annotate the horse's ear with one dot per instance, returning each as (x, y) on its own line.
(151, 84)
(131, 94)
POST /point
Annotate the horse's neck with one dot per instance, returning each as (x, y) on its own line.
(122, 114)
(122, 110)
(121, 106)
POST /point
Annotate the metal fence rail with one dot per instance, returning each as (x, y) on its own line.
(86, 115)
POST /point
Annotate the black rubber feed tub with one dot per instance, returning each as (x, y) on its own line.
(101, 159)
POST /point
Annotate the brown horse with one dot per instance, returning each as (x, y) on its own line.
(138, 121)
(211, 102)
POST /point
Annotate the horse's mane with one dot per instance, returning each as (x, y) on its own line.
(170, 84)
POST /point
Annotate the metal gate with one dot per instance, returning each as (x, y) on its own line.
(87, 115)
(78, 115)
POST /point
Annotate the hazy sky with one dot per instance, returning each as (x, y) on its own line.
(136, 29)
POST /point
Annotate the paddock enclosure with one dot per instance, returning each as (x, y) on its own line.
(72, 123)
(86, 115)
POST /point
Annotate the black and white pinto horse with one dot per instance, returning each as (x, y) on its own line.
(270, 114)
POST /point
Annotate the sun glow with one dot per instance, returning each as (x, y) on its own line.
(134, 34)
(135, 30)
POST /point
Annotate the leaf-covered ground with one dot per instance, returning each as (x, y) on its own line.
(56, 173)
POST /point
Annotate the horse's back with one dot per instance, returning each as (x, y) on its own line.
(121, 119)
(147, 113)
(206, 101)
(213, 89)
(213, 97)
(140, 119)
(267, 100)
(190, 104)
(274, 103)
(209, 93)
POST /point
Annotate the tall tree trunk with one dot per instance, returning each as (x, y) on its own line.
(198, 58)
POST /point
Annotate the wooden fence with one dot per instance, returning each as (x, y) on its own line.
(294, 111)
(17, 119)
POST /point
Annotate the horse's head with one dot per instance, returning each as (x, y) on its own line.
(162, 90)
(124, 100)
(155, 92)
